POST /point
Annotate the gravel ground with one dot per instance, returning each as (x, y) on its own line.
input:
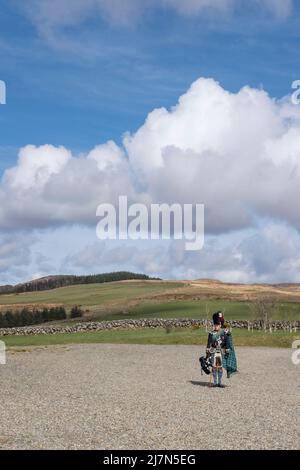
(105, 396)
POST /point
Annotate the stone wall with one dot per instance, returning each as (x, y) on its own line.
(146, 323)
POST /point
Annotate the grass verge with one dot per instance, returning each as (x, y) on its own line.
(187, 336)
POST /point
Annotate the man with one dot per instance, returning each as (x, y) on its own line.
(217, 348)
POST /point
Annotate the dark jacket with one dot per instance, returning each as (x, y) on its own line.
(211, 343)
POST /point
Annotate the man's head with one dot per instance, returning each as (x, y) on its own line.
(218, 318)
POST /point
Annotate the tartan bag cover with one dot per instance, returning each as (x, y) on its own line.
(230, 362)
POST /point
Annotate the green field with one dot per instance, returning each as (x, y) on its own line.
(197, 310)
(143, 299)
(91, 294)
(185, 336)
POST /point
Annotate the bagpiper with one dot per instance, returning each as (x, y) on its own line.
(217, 348)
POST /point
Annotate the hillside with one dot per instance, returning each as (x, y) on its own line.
(243, 292)
(56, 281)
(160, 299)
(89, 295)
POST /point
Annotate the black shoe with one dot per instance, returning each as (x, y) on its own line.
(221, 386)
(214, 385)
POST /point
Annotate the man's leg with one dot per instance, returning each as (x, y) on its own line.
(220, 375)
(215, 375)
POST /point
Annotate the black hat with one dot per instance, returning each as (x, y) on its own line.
(218, 318)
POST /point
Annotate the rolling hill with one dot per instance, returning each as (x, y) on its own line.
(63, 280)
(156, 298)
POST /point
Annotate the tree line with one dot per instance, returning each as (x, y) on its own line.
(26, 317)
(53, 282)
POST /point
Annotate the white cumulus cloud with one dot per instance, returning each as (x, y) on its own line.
(238, 153)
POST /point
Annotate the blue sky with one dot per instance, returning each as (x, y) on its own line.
(79, 77)
(78, 100)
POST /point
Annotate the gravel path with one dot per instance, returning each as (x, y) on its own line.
(134, 396)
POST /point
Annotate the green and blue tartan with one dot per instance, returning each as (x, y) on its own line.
(230, 362)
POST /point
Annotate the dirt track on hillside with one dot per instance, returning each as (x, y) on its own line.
(104, 396)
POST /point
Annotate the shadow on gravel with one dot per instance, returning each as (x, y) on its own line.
(201, 384)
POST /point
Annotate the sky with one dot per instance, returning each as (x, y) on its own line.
(161, 100)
